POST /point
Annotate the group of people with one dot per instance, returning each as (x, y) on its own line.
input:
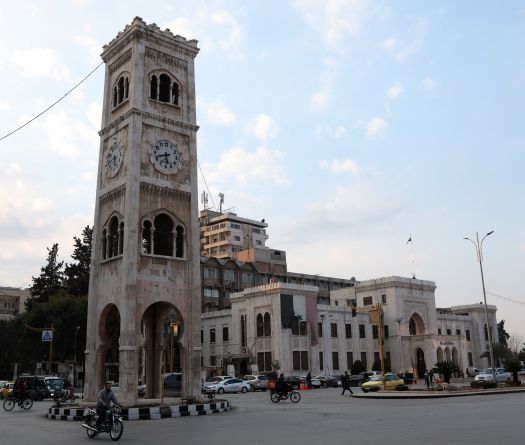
(429, 378)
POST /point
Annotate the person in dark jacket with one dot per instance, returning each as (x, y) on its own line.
(309, 380)
(104, 399)
(345, 383)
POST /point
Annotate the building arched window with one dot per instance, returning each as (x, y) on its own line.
(113, 237)
(146, 237)
(153, 87)
(302, 328)
(163, 235)
(260, 325)
(121, 90)
(126, 88)
(121, 238)
(104, 244)
(115, 97)
(412, 327)
(175, 93)
(267, 325)
(164, 88)
(243, 330)
(179, 242)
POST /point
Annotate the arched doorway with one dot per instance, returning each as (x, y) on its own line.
(162, 328)
(447, 354)
(439, 354)
(420, 363)
(108, 351)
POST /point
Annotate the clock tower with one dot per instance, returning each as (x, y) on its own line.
(144, 290)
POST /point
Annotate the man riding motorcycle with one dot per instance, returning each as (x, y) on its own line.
(104, 399)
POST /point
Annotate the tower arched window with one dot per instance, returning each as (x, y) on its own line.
(113, 237)
(120, 88)
(153, 87)
(267, 328)
(175, 94)
(146, 237)
(121, 238)
(412, 327)
(104, 244)
(164, 88)
(260, 325)
(243, 330)
(115, 96)
(179, 242)
(126, 88)
(163, 235)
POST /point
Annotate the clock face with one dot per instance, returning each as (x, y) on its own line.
(166, 157)
(114, 158)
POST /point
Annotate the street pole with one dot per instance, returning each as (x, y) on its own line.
(479, 252)
(75, 358)
(400, 343)
(51, 350)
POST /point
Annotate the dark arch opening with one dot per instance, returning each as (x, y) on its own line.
(163, 237)
(153, 87)
(164, 88)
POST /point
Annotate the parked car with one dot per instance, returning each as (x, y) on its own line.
(42, 387)
(362, 377)
(7, 388)
(293, 381)
(391, 381)
(472, 372)
(502, 376)
(328, 381)
(316, 383)
(173, 384)
(257, 382)
(229, 385)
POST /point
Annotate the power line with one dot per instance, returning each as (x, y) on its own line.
(52, 105)
(512, 300)
(206, 184)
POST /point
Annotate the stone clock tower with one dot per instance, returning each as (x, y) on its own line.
(144, 291)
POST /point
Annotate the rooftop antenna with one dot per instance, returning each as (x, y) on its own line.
(204, 200)
(221, 201)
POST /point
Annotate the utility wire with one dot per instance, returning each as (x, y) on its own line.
(52, 105)
(206, 184)
(506, 298)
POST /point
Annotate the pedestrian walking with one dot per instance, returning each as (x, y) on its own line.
(431, 377)
(309, 380)
(345, 383)
(427, 378)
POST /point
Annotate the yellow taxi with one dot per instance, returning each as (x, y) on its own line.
(6, 389)
(376, 382)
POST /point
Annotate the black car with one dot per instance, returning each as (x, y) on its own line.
(293, 381)
(42, 387)
(172, 384)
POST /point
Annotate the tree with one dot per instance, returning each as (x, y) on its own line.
(500, 351)
(77, 274)
(446, 368)
(513, 365)
(358, 367)
(503, 335)
(50, 280)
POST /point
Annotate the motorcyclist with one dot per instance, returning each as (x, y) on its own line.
(68, 390)
(282, 386)
(104, 399)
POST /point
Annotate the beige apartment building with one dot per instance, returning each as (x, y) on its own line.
(12, 301)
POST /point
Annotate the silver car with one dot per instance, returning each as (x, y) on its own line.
(257, 382)
(502, 376)
(229, 385)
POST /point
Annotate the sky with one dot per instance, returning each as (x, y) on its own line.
(349, 126)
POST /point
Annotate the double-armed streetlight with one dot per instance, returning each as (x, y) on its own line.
(479, 252)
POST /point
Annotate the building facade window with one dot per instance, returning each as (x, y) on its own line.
(319, 329)
(260, 325)
(439, 331)
(300, 361)
(349, 359)
(449, 331)
(467, 334)
(225, 334)
(212, 335)
(385, 330)
(375, 331)
(348, 330)
(470, 360)
(335, 361)
(363, 359)
(333, 330)
(121, 90)
(264, 361)
(113, 238)
(412, 327)
(302, 328)
(383, 298)
(321, 361)
(367, 301)
(362, 333)
(376, 357)
(267, 325)
(458, 331)
(164, 89)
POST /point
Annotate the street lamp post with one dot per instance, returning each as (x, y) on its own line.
(399, 320)
(75, 358)
(479, 252)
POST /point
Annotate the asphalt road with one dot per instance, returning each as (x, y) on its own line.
(322, 417)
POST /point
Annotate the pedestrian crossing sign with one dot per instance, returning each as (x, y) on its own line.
(47, 335)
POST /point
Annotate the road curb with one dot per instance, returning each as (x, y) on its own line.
(150, 413)
(440, 395)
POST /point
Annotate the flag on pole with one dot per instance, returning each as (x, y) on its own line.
(409, 239)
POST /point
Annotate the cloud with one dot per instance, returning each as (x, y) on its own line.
(242, 167)
(39, 62)
(5, 105)
(263, 127)
(93, 48)
(218, 113)
(332, 132)
(395, 90)
(70, 137)
(340, 166)
(428, 84)
(411, 44)
(321, 99)
(217, 30)
(375, 128)
(334, 20)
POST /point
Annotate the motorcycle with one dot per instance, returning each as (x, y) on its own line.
(294, 396)
(63, 397)
(112, 424)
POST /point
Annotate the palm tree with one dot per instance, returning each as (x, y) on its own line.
(446, 368)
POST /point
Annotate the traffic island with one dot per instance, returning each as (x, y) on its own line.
(146, 411)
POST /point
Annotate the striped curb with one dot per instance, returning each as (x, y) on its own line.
(151, 413)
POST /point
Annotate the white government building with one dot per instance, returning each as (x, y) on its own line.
(280, 326)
